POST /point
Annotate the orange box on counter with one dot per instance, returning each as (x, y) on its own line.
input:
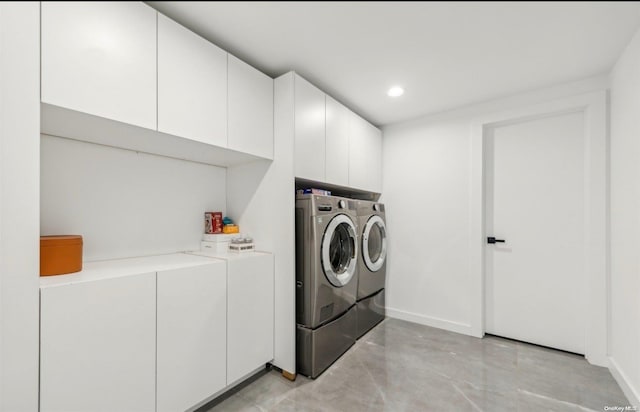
(60, 255)
(212, 222)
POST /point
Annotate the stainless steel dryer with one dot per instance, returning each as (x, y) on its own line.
(326, 280)
(372, 265)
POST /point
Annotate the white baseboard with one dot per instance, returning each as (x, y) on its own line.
(597, 359)
(632, 394)
(449, 325)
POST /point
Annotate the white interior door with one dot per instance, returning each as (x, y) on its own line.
(535, 201)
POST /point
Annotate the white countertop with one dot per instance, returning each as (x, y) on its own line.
(106, 269)
(227, 255)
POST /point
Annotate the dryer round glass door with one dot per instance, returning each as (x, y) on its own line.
(339, 250)
(374, 243)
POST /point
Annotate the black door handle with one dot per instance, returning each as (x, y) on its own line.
(493, 240)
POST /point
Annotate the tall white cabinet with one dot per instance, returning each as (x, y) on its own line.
(100, 58)
(192, 85)
(97, 345)
(192, 335)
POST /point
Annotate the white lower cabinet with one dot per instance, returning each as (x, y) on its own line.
(97, 345)
(158, 333)
(192, 338)
(249, 314)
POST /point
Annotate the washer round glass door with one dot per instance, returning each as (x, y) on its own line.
(339, 250)
(374, 243)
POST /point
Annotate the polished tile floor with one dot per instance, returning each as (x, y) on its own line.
(402, 366)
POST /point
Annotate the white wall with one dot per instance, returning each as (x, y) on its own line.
(125, 203)
(426, 181)
(19, 182)
(427, 178)
(625, 220)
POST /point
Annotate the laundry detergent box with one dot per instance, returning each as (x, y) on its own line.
(212, 222)
(314, 192)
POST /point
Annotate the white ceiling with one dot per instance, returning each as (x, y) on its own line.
(444, 54)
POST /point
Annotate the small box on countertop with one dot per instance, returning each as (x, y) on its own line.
(60, 255)
(241, 244)
(218, 242)
(241, 247)
(230, 229)
(215, 246)
(212, 222)
(219, 237)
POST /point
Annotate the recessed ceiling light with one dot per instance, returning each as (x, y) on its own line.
(395, 91)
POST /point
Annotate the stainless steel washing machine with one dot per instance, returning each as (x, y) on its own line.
(326, 280)
(372, 265)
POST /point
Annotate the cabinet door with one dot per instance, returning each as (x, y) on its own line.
(192, 85)
(374, 145)
(337, 141)
(97, 345)
(192, 316)
(309, 131)
(249, 314)
(250, 109)
(365, 155)
(100, 58)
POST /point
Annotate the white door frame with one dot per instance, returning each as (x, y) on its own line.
(594, 107)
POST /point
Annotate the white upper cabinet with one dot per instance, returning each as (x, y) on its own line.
(365, 155)
(100, 58)
(123, 61)
(192, 335)
(192, 85)
(332, 144)
(337, 141)
(309, 118)
(250, 109)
